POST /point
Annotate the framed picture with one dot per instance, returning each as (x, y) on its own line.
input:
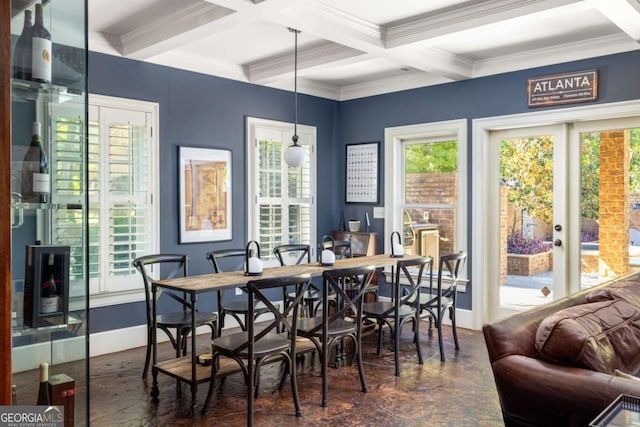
(362, 173)
(205, 194)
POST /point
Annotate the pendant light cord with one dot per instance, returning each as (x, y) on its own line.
(295, 88)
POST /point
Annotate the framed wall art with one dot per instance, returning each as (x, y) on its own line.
(362, 173)
(205, 194)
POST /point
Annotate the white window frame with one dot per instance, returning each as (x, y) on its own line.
(100, 295)
(307, 136)
(394, 186)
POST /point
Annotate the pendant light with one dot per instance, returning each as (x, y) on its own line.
(294, 154)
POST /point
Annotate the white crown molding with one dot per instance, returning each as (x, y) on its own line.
(393, 84)
(105, 43)
(200, 64)
(591, 48)
(309, 87)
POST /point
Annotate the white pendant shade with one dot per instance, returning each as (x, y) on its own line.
(294, 156)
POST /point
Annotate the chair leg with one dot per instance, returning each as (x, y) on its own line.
(363, 381)
(416, 338)
(452, 316)
(212, 386)
(380, 325)
(396, 345)
(324, 357)
(440, 344)
(294, 385)
(147, 357)
(221, 316)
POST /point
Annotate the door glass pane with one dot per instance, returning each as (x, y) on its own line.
(610, 205)
(526, 214)
(430, 197)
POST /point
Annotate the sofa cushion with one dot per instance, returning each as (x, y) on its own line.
(602, 336)
(625, 289)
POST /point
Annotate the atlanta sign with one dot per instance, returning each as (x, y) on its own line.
(569, 88)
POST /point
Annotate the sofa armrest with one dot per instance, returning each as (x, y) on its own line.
(534, 392)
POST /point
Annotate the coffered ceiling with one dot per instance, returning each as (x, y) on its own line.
(354, 48)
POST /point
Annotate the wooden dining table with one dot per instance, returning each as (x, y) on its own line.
(186, 369)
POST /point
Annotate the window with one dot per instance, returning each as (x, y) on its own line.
(425, 187)
(281, 206)
(122, 180)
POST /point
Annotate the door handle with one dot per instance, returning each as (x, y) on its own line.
(557, 242)
(557, 227)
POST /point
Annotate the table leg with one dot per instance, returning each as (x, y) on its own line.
(194, 382)
(155, 391)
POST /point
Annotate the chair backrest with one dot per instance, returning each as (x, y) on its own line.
(170, 266)
(293, 254)
(341, 248)
(449, 273)
(227, 259)
(350, 286)
(283, 320)
(411, 272)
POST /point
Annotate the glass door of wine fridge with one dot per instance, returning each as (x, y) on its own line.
(49, 278)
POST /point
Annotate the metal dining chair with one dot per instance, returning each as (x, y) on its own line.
(236, 308)
(254, 347)
(345, 322)
(405, 307)
(294, 254)
(177, 323)
(442, 298)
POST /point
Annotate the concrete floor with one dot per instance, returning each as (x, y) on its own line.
(458, 392)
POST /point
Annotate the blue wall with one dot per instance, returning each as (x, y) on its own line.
(197, 110)
(203, 111)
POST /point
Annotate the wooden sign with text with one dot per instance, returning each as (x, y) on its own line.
(568, 88)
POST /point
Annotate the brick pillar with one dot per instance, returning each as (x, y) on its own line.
(614, 203)
(504, 232)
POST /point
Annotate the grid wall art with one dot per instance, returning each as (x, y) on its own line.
(362, 173)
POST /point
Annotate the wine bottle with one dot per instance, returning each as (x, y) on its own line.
(22, 51)
(43, 391)
(49, 299)
(35, 170)
(41, 49)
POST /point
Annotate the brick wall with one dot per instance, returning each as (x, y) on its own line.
(614, 203)
(435, 188)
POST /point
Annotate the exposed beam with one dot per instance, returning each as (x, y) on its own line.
(472, 16)
(282, 66)
(624, 13)
(174, 30)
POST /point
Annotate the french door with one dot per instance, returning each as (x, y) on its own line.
(565, 203)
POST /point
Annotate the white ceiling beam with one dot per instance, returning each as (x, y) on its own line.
(339, 27)
(174, 30)
(280, 67)
(623, 13)
(472, 16)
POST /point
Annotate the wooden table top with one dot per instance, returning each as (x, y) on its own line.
(233, 279)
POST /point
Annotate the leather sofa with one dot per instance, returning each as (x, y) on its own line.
(560, 364)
